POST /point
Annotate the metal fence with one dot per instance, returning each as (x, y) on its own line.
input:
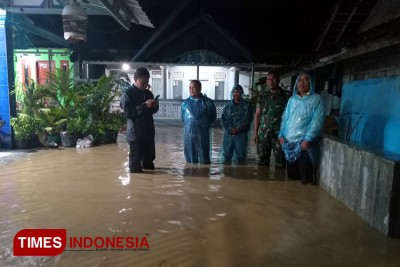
(171, 109)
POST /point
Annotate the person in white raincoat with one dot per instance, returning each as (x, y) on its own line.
(301, 130)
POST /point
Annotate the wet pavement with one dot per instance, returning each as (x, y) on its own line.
(191, 215)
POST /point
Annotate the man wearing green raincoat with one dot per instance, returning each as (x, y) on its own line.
(236, 119)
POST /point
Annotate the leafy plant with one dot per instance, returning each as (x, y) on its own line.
(30, 97)
(98, 102)
(76, 125)
(59, 100)
(24, 126)
(52, 119)
(252, 97)
(78, 108)
(60, 88)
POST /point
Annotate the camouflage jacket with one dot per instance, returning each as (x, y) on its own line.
(272, 106)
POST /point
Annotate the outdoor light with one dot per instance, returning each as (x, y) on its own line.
(125, 66)
(74, 22)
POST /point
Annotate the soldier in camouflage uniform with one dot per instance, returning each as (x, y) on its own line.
(267, 121)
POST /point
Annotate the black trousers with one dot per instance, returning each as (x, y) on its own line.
(302, 169)
(142, 151)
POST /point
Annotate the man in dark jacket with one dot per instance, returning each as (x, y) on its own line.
(139, 106)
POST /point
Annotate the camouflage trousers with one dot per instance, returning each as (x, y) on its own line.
(266, 145)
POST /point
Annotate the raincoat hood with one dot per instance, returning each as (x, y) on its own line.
(303, 117)
(297, 80)
(239, 88)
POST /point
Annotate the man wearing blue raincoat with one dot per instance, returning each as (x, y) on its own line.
(198, 113)
(301, 130)
(236, 119)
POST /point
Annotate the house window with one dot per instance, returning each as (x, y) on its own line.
(156, 87)
(177, 89)
(219, 90)
(43, 70)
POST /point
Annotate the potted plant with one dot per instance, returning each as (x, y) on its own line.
(104, 123)
(58, 100)
(78, 121)
(24, 127)
(76, 127)
(52, 122)
(110, 127)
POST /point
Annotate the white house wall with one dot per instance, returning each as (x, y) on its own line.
(208, 77)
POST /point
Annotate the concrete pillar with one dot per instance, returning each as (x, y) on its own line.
(236, 81)
(164, 76)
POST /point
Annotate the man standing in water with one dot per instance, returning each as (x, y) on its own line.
(236, 119)
(267, 121)
(139, 106)
(198, 112)
(301, 130)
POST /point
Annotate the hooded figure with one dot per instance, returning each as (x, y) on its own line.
(301, 129)
(198, 112)
(236, 119)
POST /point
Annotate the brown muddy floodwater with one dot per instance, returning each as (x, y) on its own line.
(191, 215)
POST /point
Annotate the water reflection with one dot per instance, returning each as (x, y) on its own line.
(125, 180)
(171, 144)
(214, 188)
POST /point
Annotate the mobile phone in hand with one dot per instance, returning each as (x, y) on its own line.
(156, 99)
